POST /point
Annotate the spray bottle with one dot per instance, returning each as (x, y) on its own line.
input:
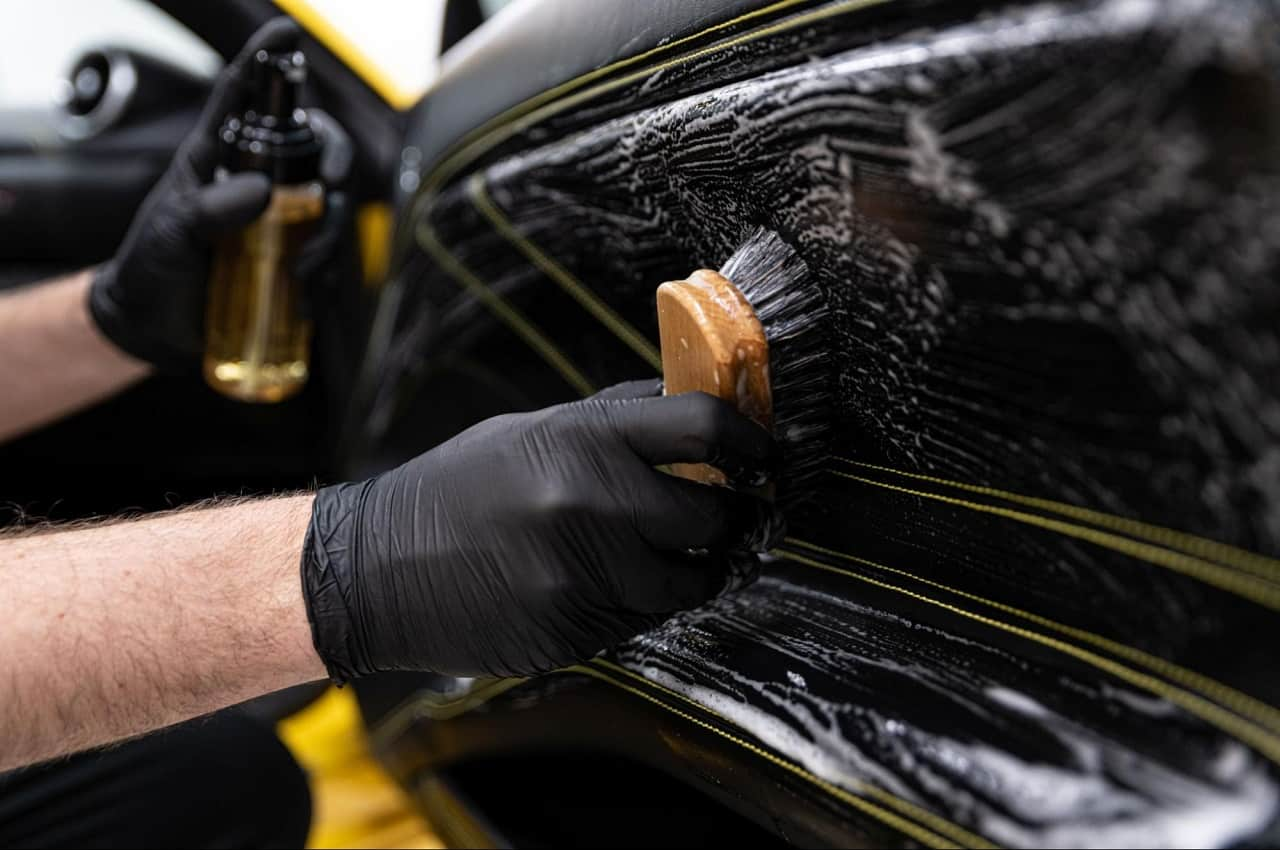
(257, 338)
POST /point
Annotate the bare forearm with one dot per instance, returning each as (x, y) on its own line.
(115, 630)
(53, 360)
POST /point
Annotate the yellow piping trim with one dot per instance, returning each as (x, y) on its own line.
(528, 112)
(401, 718)
(406, 714)
(501, 308)
(1247, 586)
(588, 300)
(930, 819)
(1239, 702)
(924, 836)
(1259, 565)
(1260, 739)
(577, 82)
(374, 75)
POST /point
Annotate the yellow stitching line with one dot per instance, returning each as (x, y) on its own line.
(407, 713)
(1259, 565)
(469, 151)
(924, 836)
(525, 329)
(930, 819)
(401, 718)
(579, 81)
(1250, 587)
(587, 299)
(1239, 702)
(1261, 740)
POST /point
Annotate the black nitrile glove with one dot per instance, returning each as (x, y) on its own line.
(532, 541)
(149, 300)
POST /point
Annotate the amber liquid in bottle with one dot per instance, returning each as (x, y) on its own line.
(258, 341)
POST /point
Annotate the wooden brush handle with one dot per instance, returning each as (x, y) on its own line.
(713, 342)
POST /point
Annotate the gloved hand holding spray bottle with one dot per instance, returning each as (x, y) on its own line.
(247, 220)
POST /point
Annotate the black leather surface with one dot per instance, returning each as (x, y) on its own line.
(1047, 235)
(534, 45)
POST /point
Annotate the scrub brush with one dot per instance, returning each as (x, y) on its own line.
(756, 334)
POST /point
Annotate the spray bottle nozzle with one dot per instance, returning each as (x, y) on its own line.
(273, 134)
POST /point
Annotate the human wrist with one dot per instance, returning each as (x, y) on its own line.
(328, 562)
(87, 316)
(260, 597)
(282, 596)
(116, 327)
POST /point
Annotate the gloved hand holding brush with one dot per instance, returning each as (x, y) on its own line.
(532, 541)
(526, 543)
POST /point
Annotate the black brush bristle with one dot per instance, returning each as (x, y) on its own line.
(775, 281)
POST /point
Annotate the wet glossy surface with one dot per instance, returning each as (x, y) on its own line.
(1050, 234)
(1022, 752)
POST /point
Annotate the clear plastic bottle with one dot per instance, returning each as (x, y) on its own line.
(258, 340)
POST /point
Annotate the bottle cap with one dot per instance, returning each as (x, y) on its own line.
(273, 135)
